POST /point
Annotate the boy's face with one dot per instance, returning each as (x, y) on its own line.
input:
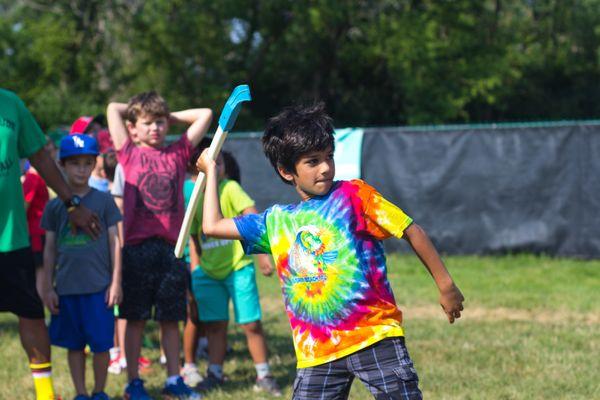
(314, 173)
(78, 169)
(149, 130)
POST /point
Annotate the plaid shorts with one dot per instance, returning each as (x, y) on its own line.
(385, 368)
(153, 277)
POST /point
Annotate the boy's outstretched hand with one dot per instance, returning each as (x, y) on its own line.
(114, 295)
(451, 301)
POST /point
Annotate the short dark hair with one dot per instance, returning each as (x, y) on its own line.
(204, 143)
(146, 103)
(110, 164)
(232, 168)
(294, 132)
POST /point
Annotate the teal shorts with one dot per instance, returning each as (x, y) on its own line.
(212, 296)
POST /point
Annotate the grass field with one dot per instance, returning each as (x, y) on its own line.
(530, 330)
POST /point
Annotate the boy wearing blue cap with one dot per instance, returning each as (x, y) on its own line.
(87, 280)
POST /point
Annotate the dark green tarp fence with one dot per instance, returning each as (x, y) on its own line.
(475, 189)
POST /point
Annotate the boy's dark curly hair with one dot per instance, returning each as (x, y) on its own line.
(294, 132)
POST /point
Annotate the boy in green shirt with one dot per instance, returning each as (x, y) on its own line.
(226, 272)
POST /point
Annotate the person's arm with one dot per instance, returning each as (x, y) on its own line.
(265, 265)
(119, 202)
(80, 216)
(451, 298)
(213, 223)
(115, 116)
(44, 275)
(114, 294)
(197, 118)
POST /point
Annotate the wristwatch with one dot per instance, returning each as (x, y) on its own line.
(73, 203)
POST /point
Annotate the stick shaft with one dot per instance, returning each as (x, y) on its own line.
(190, 212)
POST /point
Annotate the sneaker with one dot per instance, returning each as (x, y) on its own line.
(191, 376)
(180, 391)
(143, 363)
(135, 391)
(269, 385)
(115, 367)
(99, 396)
(210, 382)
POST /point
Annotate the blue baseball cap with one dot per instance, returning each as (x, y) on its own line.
(77, 145)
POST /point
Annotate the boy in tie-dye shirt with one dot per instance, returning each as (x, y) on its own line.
(331, 264)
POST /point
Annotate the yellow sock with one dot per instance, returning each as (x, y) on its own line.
(42, 380)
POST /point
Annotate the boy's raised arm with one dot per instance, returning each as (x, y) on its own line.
(115, 115)
(213, 223)
(451, 298)
(199, 120)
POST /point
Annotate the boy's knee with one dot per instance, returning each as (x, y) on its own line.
(254, 327)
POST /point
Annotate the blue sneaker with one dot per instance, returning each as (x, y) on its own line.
(135, 391)
(180, 391)
(99, 396)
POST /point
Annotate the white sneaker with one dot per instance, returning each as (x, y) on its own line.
(191, 376)
(114, 367)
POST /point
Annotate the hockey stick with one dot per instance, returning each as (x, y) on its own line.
(228, 116)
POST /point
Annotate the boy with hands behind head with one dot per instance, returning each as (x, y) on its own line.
(153, 212)
(331, 264)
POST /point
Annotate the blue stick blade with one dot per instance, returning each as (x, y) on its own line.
(232, 107)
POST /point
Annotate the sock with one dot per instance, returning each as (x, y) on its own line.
(172, 380)
(42, 380)
(216, 370)
(262, 370)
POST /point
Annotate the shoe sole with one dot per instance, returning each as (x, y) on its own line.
(258, 389)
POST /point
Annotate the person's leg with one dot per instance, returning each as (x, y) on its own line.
(35, 341)
(170, 343)
(141, 264)
(77, 368)
(18, 295)
(133, 346)
(190, 342)
(330, 381)
(387, 370)
(216, 332)
(244, 293)
(100, 363)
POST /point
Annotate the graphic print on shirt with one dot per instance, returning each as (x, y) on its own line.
(68, 239)
(157, 187)
(308, 258)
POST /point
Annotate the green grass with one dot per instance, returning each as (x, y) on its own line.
(530, 330)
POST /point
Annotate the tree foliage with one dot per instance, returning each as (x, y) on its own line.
(385, 62)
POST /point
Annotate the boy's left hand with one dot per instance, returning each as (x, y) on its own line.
(451, 301)
(114, 295)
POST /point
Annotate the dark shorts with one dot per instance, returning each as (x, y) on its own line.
(83, 319)
(153, 277)
(17, 284)
(385, 368)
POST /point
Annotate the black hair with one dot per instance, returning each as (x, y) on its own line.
(204, 143)
(232, 168)
(110, 164)
(294, 132)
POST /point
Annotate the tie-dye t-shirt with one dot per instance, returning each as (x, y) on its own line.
(331, 266)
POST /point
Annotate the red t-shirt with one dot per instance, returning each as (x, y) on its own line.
(153, 194)
(36, 194)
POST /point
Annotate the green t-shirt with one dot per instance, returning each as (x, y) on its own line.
(221, 256)
(20, 137)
